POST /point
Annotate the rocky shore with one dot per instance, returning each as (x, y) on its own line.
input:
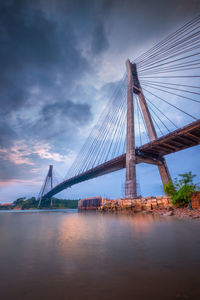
(182, 213)
(160, 205)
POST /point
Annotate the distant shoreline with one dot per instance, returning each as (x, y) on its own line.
(32, 203)
(36, 210)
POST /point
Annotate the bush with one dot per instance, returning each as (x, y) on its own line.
(30, 203)
(19, 201)
(181, 189)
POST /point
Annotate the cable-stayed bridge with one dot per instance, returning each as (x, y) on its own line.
(153, 112)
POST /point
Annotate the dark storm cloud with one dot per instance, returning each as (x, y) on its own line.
(34, 49)
(60, 120)
(99, 40)
(76, 112)
(10, 171)
(140, 24)
(57, 122)
(7, 134)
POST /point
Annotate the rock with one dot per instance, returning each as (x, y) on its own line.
(170, 208)
(169, 213)
(195, 217)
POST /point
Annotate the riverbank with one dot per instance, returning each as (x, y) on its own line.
(182, 213)
(32, 204)
(160, 205)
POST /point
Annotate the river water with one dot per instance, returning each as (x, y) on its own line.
(70, 255)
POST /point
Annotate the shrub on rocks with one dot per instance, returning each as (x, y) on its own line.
(181, 189)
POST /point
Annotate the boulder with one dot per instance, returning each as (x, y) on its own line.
(170, 208)
(169, 213)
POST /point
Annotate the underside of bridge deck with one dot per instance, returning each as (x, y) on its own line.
(177, 140)
(110, 166)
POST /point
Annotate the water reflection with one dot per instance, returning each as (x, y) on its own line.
(72, 255)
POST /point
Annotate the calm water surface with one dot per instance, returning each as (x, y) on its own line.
(70, 255)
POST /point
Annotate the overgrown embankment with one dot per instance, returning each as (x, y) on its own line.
(32, 203)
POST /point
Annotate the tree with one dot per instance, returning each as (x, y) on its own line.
(181, 189)
(19, 201)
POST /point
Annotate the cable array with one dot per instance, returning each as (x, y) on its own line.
(169, 77)
(107, 137)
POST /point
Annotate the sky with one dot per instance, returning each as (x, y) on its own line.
(60, 61)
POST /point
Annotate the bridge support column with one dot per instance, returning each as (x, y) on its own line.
(164, 173)
(163, 169)
(130, 188)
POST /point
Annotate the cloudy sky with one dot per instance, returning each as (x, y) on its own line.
(59, 63)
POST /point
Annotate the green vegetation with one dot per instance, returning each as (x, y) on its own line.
(32, 203)
(19, 201)
(58, 203)
(181, 189)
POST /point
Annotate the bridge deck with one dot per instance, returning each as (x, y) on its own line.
(179, 139)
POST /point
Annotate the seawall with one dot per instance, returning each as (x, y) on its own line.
(137, 204)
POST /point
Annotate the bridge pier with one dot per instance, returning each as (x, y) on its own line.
(130, 187)
(134, 87)
(164, 172)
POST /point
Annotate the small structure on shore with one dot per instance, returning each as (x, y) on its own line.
(90, 203)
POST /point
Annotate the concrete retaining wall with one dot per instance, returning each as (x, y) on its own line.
(137, 204)
(90, 203)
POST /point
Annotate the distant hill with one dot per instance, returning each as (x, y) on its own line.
(32, 203)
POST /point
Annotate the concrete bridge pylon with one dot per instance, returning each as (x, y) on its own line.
(134, 87)
(49, 177)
